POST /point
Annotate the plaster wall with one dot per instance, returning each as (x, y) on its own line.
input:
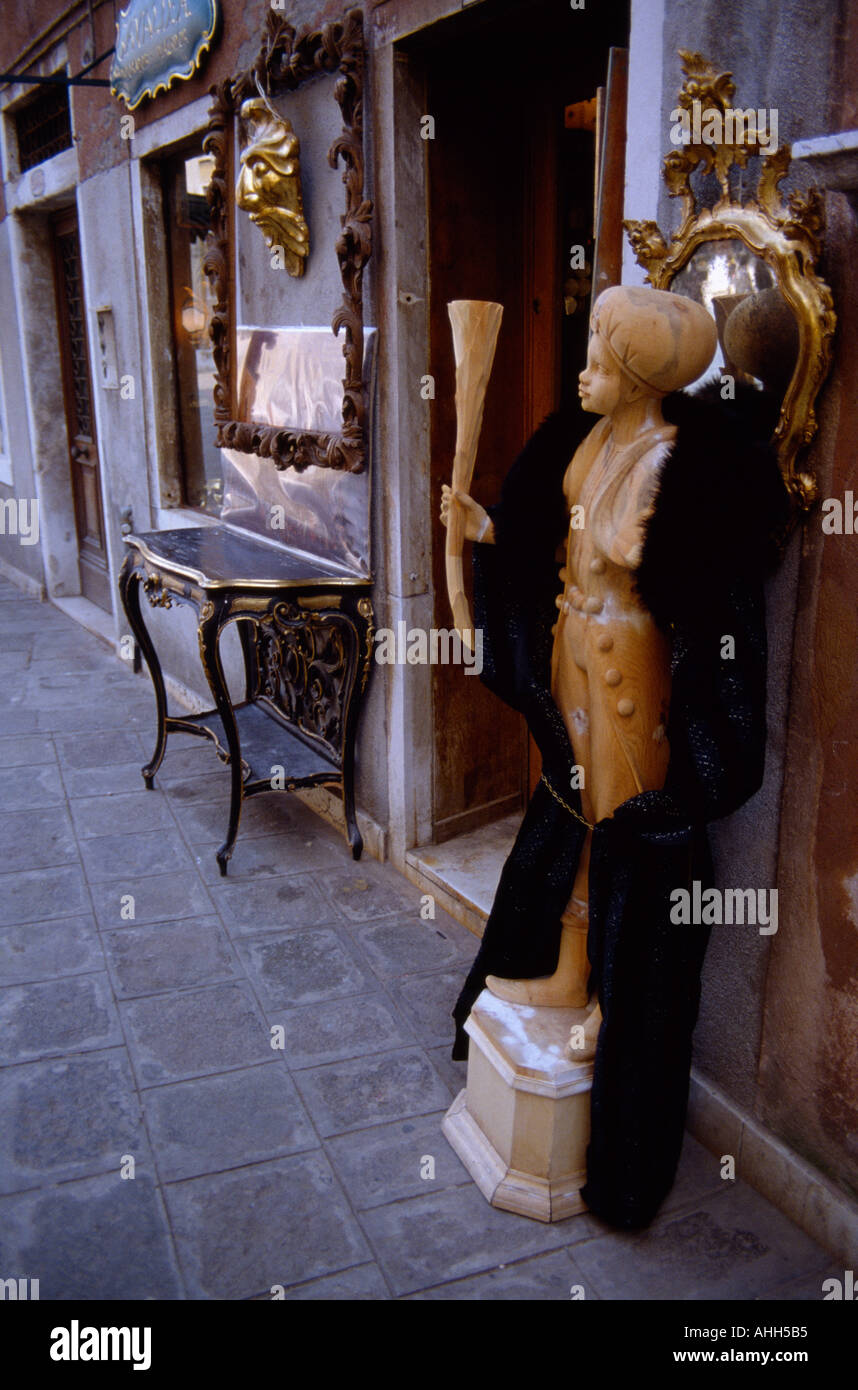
(779, 1018)
(18, 482)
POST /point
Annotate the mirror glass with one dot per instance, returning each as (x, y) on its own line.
(757, 331)
(269, 297)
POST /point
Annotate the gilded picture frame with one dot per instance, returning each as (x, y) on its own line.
(286, 60)
(786, 236)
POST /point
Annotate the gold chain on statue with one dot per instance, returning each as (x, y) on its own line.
(565, 804)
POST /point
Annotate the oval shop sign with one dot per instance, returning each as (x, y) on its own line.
(159, 42)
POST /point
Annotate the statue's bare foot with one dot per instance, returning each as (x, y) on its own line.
(567, 987)
(548, 991)
(581, 1046)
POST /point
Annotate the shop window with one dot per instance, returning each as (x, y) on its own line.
(185, 178)
(43, 126)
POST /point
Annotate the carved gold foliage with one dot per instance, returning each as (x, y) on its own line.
(704, 83)
(307, 665)
(787, 237)
(365, 609)
(157, 593)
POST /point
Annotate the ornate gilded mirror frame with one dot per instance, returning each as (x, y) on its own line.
(788, 238)
(287, 59)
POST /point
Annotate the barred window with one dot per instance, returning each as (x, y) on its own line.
(43, 126)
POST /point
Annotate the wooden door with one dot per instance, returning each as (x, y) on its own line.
(80, 420)
(510, 191)
(493, 234)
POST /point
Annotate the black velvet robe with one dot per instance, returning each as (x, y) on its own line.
(720, 508)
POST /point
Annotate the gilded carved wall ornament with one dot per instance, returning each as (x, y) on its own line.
(786, 236)
(269, 182)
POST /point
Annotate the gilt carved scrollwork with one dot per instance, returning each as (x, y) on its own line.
(158, 595)
(286, 59)
(364, 607)
(307, 665)
(787, 236)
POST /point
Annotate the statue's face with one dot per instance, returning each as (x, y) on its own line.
(601, 385)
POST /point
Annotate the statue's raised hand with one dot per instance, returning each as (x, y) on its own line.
(478, 525)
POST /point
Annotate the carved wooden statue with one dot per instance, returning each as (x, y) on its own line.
(610, 672)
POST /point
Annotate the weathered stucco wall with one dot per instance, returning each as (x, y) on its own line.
(25, 559)
(779, 1020)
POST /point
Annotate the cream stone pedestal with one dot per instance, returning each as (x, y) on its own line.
(522, 1125)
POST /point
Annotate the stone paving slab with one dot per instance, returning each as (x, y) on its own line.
(56, 1017)
(554, 1277)
(14, 660)
(444, 1236)
(26, 749)
(405, 1159)
(269, 856)
(272, 905)
(157, 897)
(24, 788)
(356, 1094)
(427, 1000)
(409, 946)
(220, 1122)
(69, 1118)
(186, 756)
(359, 1025)
(194, 1033)
(362, 1284)
(97, 750)
(186, 791)
(46, 950)
(367, 893)
(149, 852)
(111, 780)
(111, 715)
(100, 1238)
(37, 839)
(731, 1246)
(17, 720)
(302, 967)
(807, 1287)
(171, 955)
(34, 894)
(139, 811)
(204, 822)
(49, 692)
(240, 1233)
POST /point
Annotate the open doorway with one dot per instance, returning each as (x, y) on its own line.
(509, 194)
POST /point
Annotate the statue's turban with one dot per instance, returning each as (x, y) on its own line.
(662, 341)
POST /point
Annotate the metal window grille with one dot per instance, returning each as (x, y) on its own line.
(43, 127)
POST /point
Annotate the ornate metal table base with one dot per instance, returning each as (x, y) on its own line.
(306, 631)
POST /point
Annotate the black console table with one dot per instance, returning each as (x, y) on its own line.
(306, 631)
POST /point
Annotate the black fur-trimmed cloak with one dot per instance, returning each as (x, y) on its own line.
(720, 507)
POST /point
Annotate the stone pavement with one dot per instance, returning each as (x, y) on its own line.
(144, 1044)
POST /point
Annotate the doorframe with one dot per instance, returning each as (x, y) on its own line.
(70, 216)
(403, 589)
(31, 254)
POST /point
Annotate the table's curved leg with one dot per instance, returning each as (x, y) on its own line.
(208, 633)
(361, 625)
(354, 835)
(129, 592)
